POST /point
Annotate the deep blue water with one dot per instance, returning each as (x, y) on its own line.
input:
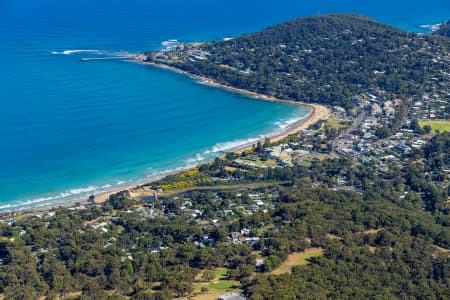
(69, 129)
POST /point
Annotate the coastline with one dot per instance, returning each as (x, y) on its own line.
(317, 112)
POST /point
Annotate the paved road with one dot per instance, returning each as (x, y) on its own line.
(359, 119)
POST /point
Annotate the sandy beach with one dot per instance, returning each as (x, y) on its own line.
(317, 112)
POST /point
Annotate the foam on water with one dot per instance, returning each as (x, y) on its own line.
(82, 193)
(283, 124)
(431, 27)
(86, 51)
(71, 195)
(222, 147)
(85, 128)
(197, 158)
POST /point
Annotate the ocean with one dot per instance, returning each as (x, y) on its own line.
(69, 129)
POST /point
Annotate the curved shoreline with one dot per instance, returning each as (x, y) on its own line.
(317, 112)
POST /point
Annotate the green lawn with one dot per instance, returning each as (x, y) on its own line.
(268, 163)
(336, 123)
(441, 125)
(221, 285)
(220, 273)
(297, 259)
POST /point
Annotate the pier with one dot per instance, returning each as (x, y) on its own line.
(106, 58)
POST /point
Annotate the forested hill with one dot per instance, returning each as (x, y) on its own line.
(324, 59)
(443, 30)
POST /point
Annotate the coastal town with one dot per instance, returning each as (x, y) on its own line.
(213, 199)
(382, 127)
(365, 183)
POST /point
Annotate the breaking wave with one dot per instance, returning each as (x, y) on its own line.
(221, 147)
(68, 52)
(68, 196)
(431, 27)
(197, 158)
(286, 123)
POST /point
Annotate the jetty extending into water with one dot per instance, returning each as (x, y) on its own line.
(106, 58)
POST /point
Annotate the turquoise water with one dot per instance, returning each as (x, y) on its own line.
(69, 129)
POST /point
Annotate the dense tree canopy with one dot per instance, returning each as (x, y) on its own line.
(375, 242)
(382, 234)
(325, 59)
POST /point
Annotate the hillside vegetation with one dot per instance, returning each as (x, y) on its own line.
(344, 210)
(325, 59)
(379, 241)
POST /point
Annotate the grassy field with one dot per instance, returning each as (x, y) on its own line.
(441, 125)
(218, 286)
(254, 185)
(372, 231)
(221, 285)
(297, 259)
(211, 295)
(337, 123)
(220, 273)
(268, 163)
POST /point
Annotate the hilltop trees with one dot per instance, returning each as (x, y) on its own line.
(325, 59)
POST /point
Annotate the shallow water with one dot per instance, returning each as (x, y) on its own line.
(69, 128)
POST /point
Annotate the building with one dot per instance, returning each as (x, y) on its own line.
(231, 296)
